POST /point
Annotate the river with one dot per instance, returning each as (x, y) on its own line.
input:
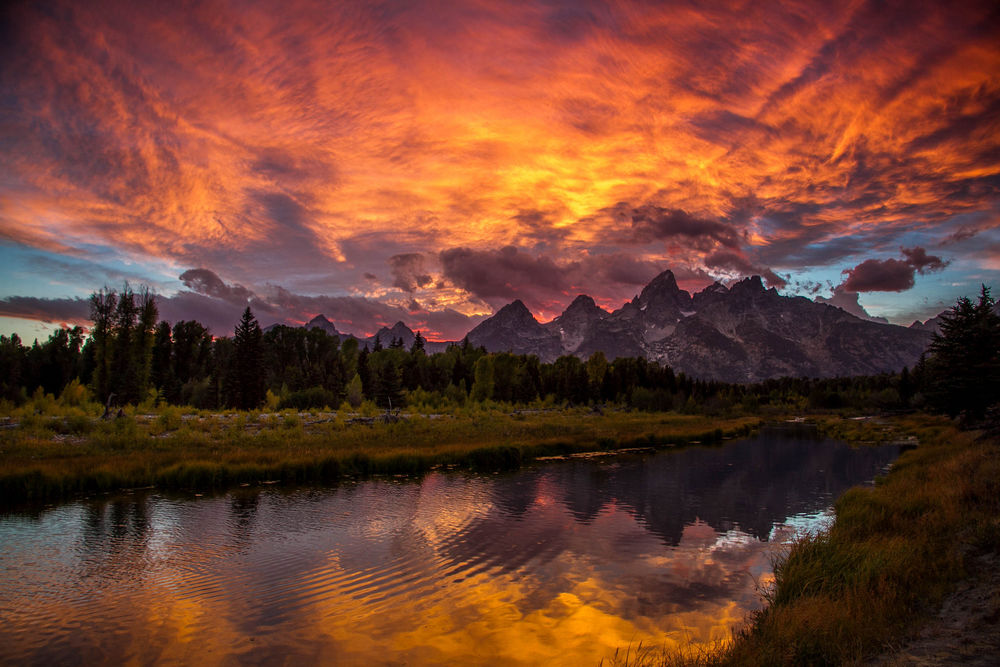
(561, 562)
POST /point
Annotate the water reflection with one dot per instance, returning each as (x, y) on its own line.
(559, 563)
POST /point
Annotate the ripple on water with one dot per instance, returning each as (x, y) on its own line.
(562, 561)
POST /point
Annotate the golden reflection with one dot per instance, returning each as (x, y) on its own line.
(560, 565)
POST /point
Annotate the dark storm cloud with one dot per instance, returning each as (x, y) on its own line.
(537, 227)
(622, 268)
(206, 282)
(874, 275)
(649, 223)
(506, 273)
(408, 271)
(921, 261)
(891, 275)
(50, 311)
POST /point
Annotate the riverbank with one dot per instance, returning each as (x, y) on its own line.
(58, 455)
(864, 591)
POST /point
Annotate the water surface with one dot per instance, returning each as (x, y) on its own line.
(559, 563)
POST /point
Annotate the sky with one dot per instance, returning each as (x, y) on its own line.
(431, 161)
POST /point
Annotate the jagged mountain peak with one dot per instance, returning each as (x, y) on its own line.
(513, 328)
(321, 322)
(741, 333)
(399, 330)
(583, 306)
(665, 282)
(753, 284)
(662, 300)
(715, 288)
(515, 310)
(576, 322)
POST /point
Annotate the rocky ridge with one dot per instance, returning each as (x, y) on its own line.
(740, 333)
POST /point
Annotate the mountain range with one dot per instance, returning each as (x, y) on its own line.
(740, 333)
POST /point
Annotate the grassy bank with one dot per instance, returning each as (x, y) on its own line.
(885, 565)
(63, 452)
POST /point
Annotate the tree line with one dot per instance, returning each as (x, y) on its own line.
(130, 357)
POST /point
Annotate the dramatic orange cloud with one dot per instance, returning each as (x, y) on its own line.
(307, 144)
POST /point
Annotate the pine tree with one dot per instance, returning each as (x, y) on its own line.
(161, 368)
(102, 311)
(145, 334)
(364, 372)
(963, 369)
(418, 344)
(124, 379)
(248, 390)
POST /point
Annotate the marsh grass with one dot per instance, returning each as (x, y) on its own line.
(49, 455)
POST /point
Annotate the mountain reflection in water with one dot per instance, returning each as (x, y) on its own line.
(559, 563)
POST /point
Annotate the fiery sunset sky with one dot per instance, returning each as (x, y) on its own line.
(432, 161)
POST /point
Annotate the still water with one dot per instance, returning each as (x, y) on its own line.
(559, 563)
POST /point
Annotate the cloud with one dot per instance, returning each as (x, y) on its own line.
(219, 305)
(50, 311)
(546, 285)
(650, 222)
(274, 143)
(922, 262)
(408, 271)
(849, 302)
(507, 273)
(874, 275)
(206, 282)
(891, 275)
(739, 264)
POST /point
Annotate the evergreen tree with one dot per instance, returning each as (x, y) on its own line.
(248, 389)
(103, 305)
(124, 379)
(364, 372)
(963, 369)
(145, 335)
(12, 362)
(597, 369)
(418, 344)
(387, 385)
(905, 387)
(161, 369)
